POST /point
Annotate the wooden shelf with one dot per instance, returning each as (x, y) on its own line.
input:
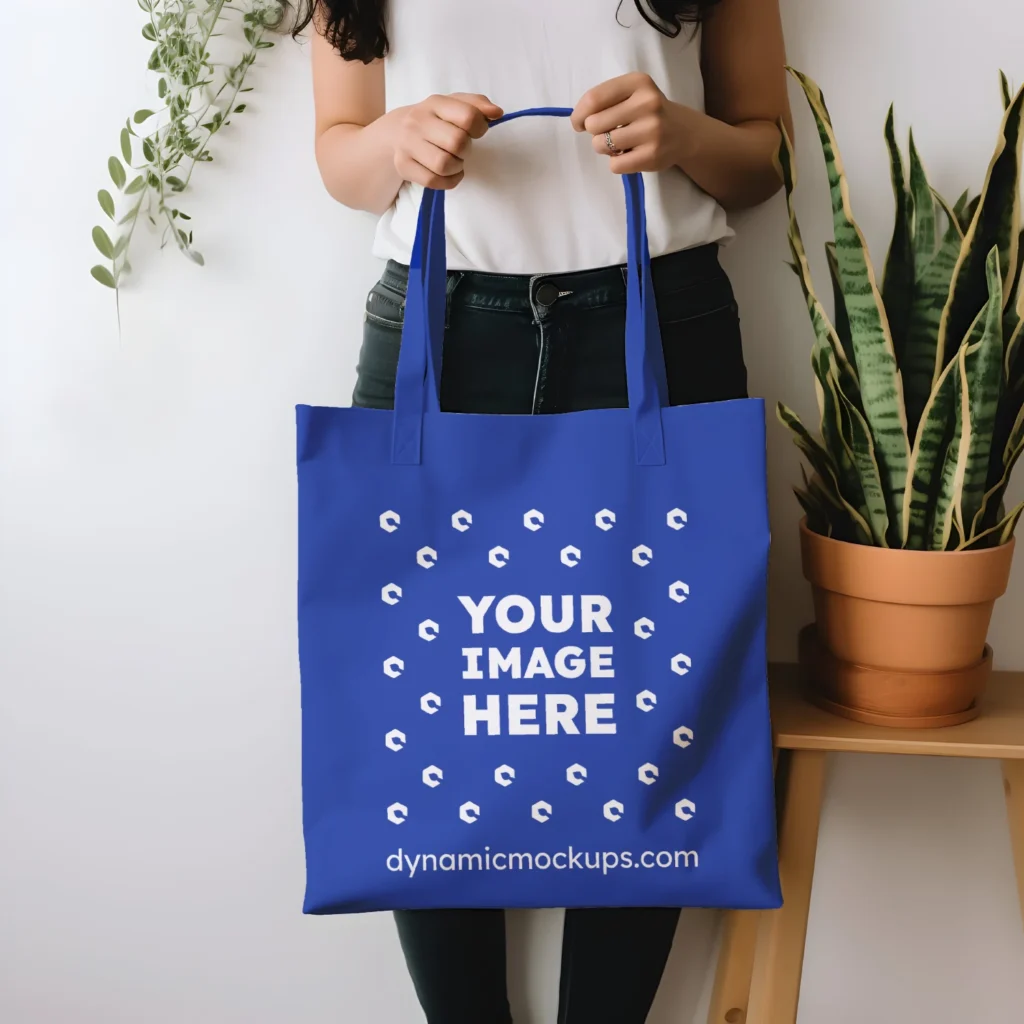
(761, 960)
(997, 733)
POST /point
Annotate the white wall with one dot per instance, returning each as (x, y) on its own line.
(150, 855)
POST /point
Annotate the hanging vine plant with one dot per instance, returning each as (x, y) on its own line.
(161, 149)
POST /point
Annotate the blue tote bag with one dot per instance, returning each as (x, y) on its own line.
(533, 647)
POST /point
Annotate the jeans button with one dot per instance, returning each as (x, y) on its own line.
(546, 294)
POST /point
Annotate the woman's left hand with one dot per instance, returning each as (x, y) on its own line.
(633, 124)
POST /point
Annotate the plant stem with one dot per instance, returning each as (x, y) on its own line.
(218, 6)
(195, 89)
(131, 231)
(230, 106)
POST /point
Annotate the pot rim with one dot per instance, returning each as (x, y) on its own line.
(906, 553)
(899, 576)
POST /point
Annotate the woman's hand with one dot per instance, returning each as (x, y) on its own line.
(430, 139)
(366, 152)
(647, 132)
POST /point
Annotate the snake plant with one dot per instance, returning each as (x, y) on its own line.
(920, 377)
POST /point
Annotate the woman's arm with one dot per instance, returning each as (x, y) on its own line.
(728, 151)
(732, 148)
(365, 154)
(354, 150)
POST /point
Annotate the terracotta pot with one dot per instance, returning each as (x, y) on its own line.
(901, 699)
(903, 632)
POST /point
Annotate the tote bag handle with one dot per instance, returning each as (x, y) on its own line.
(419, 362)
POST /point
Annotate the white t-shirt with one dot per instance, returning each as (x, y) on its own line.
(536, 198)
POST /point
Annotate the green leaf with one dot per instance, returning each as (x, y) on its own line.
(1012, 405)
(953, 224)
(1008, 457)
(120, 245)
(1013, 451)
(996, 535)
(840, 318)
(930, 295)
(960, 207)
(996, 223)
(117, 175)
(135, 185)
(856, 438)
(824, 467)
(814, 510)
(106, 202)
(925, 238)
(131, 214)
(148, 32)
(986, 389)
(816, 454)
(877, 370)
(103, 242)
(898, 276)
(147, 150)
(978, 387)
(1016, 294)
(142, 115)
(104, 276)
(1013, 370)
(126, 145)
(948, 485)
(195, 257)
(839, 524)
(161, 88)
(1014, 350)
(176, 183)
(818, 509)
(819, 491)
(239, 109)
(835, 433)
(968, 212)
(826, 334)
(938, 421)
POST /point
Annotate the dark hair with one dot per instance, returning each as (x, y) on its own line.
(357, 28)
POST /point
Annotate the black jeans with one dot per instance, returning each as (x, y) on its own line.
(545, 344)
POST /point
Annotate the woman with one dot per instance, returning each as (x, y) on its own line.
(690, 93)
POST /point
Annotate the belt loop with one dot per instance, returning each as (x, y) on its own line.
(453, 282)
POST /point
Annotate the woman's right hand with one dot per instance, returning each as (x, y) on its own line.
(431, 138)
